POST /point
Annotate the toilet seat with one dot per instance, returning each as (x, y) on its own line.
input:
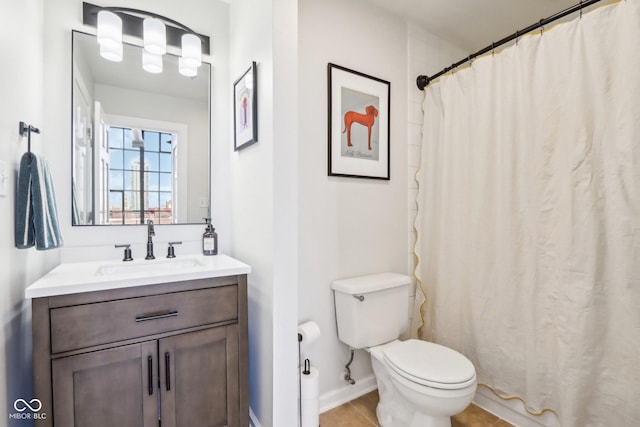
(430, 364)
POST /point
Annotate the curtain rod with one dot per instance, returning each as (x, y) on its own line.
(423, 81)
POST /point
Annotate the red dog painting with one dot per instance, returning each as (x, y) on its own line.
(366, 120)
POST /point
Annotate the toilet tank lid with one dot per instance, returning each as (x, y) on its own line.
(370, 283)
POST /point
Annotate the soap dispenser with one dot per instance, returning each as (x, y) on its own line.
(209, 239)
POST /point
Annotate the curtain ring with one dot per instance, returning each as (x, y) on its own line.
(493, 52)
(517, 37)
(541, 26)
(581, 9)
(470, 60)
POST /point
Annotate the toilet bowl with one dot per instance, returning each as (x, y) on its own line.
(420, 384)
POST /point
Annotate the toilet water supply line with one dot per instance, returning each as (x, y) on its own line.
(347, 376)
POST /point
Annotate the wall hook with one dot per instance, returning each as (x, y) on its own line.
(26, 129)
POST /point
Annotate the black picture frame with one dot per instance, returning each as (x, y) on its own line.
(245, 109)
(363, 150)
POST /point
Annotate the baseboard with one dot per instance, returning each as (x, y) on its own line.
(347, 393)
(253, 420)
(512, 411)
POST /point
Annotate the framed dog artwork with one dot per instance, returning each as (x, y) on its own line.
(359, 117)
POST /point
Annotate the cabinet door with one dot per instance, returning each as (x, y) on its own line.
(107, 388)
(199, 378)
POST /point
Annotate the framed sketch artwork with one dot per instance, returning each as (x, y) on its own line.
(245, 109)
(358, 124)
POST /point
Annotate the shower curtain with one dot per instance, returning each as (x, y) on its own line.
(529, 217)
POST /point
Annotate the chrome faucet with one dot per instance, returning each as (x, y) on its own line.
(150, 232)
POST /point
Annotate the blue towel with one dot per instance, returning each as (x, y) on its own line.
(36, 216)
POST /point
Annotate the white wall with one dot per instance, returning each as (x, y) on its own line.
(204, 16)
(285, 199)
(347, 226)
(264, 204)
(252, 201)
(21, 88)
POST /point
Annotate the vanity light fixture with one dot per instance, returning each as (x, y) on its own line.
(151, 62)
(137, 140)
(156, 31)
(191, 50)
(112, 53)
(155, 36)
(109, 35)
(185, 69)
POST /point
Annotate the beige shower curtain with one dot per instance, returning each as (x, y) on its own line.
(529, 217)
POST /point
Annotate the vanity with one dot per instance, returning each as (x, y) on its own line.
(142, 343)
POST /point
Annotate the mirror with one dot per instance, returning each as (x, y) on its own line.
(140, 141)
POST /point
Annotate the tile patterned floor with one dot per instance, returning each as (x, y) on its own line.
(361, 412)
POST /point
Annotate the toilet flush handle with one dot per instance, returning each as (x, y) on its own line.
(359, 297)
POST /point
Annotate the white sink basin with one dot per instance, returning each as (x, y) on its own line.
(72, 278)
(157, 266)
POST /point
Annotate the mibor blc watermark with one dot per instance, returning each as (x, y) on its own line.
(23, 407)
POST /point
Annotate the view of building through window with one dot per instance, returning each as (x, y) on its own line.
(140, 176)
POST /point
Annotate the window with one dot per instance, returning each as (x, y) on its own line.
(140, 176)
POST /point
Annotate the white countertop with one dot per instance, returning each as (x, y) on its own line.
(73, 278)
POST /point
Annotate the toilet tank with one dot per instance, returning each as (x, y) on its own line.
(371, 309)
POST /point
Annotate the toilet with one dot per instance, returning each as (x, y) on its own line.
(420, 384)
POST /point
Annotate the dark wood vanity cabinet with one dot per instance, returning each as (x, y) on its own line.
(171, 354)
